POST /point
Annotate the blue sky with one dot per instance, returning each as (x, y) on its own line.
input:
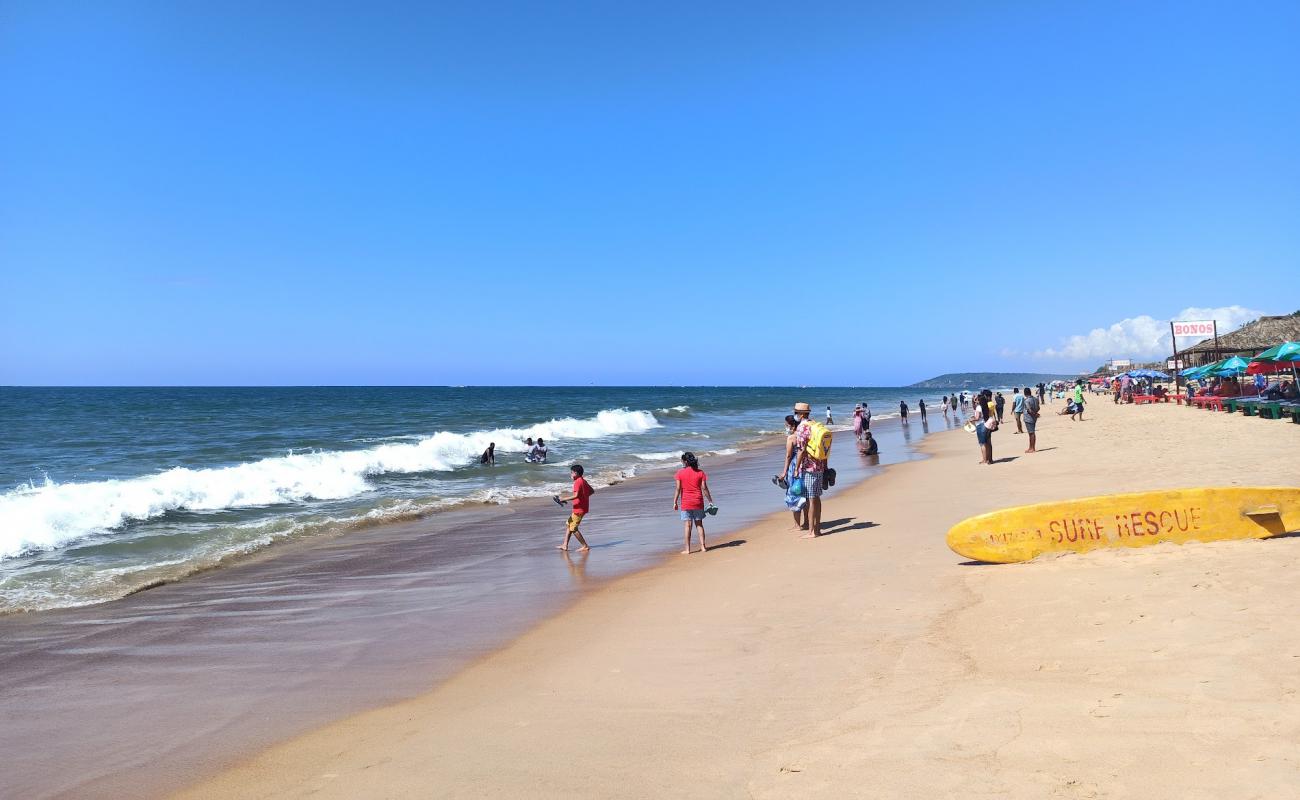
(863, 194)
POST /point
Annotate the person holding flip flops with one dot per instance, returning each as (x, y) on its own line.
(581, 499)
(692, 489)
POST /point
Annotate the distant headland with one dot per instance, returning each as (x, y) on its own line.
(982, 380)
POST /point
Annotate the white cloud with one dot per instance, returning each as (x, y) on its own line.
(1142, 338)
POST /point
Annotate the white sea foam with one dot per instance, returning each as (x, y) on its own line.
(674, 411)
(657, 456)
(48, 515)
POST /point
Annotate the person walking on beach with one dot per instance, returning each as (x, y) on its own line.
(857, 422)
(829, 419)
(902, 409)
(953, 402)
(999, 404)
(812, 449)
(489, 456)
(920, 404)
(794, 495)
(1032, 407)
(943, 403)
(692, 489)
(866, 416)
(581, 499)
(1078, 400)
(985, 423)
(1018, 407)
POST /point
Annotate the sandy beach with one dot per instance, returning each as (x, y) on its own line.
(873, 662)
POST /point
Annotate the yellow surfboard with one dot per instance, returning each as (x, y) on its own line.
(1128, 520)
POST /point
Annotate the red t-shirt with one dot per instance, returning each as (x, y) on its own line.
(692, 495)
(582, 492)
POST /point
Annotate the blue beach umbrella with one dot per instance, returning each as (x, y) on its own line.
(1147, 373)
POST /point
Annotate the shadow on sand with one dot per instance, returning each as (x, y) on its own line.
(842, 525)
(732, 543)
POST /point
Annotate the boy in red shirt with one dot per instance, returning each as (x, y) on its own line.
(581, 499)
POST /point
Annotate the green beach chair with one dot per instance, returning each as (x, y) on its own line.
(1270, 409)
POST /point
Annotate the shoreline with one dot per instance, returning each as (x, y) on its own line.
(871, 661)
(368, 601)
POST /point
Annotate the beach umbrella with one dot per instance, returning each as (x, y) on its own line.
(1269, 367)
(1147, 373)
(1275, 359)
(1287, 351)
(1231, 366)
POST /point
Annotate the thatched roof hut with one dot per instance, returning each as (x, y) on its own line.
(1246, 341)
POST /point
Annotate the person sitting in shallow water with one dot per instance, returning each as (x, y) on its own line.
(869, 445)
(536, 453)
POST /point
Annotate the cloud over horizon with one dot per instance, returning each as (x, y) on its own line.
(1141, 338)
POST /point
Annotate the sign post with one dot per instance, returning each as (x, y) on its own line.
(1204, 328)
(1174, 338)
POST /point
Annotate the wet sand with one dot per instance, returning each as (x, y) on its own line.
(181, 680)
(874, 662)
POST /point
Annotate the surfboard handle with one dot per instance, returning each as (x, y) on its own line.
(1263, 511)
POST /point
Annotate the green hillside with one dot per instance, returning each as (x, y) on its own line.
(989, 380)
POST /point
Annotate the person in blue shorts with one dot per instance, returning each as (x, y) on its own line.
(1030, 411)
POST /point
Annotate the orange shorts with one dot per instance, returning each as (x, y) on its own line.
(575, 519)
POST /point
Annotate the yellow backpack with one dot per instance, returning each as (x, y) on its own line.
(819, 441)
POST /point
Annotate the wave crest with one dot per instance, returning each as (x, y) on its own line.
(48, 515)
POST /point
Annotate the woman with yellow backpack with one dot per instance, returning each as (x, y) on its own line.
(812, 449)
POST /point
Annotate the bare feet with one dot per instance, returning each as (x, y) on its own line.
(685, 552)
(561, 547)
(583, 549)
(810, 536)
(1031, 450)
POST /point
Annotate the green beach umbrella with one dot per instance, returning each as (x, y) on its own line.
(1232, 366)
(1287, 351)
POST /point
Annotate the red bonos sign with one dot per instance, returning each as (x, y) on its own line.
(1200, 328)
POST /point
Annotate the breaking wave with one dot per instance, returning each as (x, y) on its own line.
(42, 516)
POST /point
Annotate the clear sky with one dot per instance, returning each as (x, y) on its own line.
(438, 193)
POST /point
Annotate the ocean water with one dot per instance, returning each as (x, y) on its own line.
(104, 491)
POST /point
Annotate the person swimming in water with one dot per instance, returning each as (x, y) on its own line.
(537, 454)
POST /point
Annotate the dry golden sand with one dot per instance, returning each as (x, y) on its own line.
(872, 663)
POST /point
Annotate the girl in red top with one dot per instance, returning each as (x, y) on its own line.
(692, 489)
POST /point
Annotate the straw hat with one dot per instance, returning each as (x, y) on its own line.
(802, 408)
